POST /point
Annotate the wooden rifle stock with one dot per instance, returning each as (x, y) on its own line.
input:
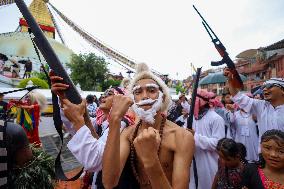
(51, 58)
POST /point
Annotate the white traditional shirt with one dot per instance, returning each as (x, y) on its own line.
(183, 119)
(87, 149)
(246, 133)
(208, 131)
(185, 105)
(268, 117)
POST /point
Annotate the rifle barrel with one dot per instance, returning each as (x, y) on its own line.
(208, 26)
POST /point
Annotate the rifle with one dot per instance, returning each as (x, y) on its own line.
(237, 81)
(190, 121)
(54, 63)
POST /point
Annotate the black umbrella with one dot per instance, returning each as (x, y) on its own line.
(3, 57)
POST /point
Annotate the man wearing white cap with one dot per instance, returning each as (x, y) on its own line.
(157, 151)
(269, 111)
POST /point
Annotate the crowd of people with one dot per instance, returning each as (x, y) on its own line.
(139, 142)
(137, 137)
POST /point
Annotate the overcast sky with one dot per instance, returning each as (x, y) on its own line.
(167, 34)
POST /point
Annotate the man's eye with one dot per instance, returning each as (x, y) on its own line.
(136, 92)
(152, 89)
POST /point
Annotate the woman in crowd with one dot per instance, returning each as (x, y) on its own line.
(268, 173)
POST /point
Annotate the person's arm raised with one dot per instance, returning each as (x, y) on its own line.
(229, 75)
(117, 146)
(59, 89)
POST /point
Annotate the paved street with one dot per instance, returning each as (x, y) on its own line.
(51, 143)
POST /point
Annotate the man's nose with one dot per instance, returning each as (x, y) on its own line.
(144, 95)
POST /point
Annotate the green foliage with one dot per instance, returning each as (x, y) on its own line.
(38, 173)
(180, 88)
(41, 75)
(88, 70)
(110, 82)
(36, 81)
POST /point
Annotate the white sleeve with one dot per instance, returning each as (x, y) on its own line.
(86, 149)
(217, 133)
(249, 104)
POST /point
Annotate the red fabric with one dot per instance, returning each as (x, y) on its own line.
(23, 22)
(33, 135)
(199, 102)
(262, 177)
(268, 184)
(101, 117)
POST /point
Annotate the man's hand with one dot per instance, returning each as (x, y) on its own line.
(74, 113)
(146, 145)
(120, 105)
(228, 73)
(230, 107)
(56, 86)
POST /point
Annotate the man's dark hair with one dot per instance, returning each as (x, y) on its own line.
(90, 99)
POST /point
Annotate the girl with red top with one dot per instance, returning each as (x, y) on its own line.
(269, 172)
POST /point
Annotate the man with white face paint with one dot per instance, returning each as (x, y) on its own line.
(157, 151)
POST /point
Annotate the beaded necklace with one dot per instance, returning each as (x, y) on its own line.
(133, 155)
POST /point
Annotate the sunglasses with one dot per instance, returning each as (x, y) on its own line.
(270, 85)
(108, 93)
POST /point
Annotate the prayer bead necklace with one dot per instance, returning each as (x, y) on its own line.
(133, 152)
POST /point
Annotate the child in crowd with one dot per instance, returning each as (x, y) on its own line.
(268, 172)
(231, 164)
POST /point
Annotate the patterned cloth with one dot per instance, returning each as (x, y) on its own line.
(229, 178)
(29, 120)
(92, 109)
(203, 97)
(269, 184)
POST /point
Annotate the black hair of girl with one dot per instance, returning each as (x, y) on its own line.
(242, 152)
(230, 148)
(274, 134)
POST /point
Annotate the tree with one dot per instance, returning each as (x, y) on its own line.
(36, 81)
(110, 82)
(41, 74)
(88, 70)
(180, 88)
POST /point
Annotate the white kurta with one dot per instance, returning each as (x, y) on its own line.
(185, 105)
(208, 131)
(246, 133)
(88, 150)
(183, 119)
(268, 117)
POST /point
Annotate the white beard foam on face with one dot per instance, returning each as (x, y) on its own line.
(148, 115)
